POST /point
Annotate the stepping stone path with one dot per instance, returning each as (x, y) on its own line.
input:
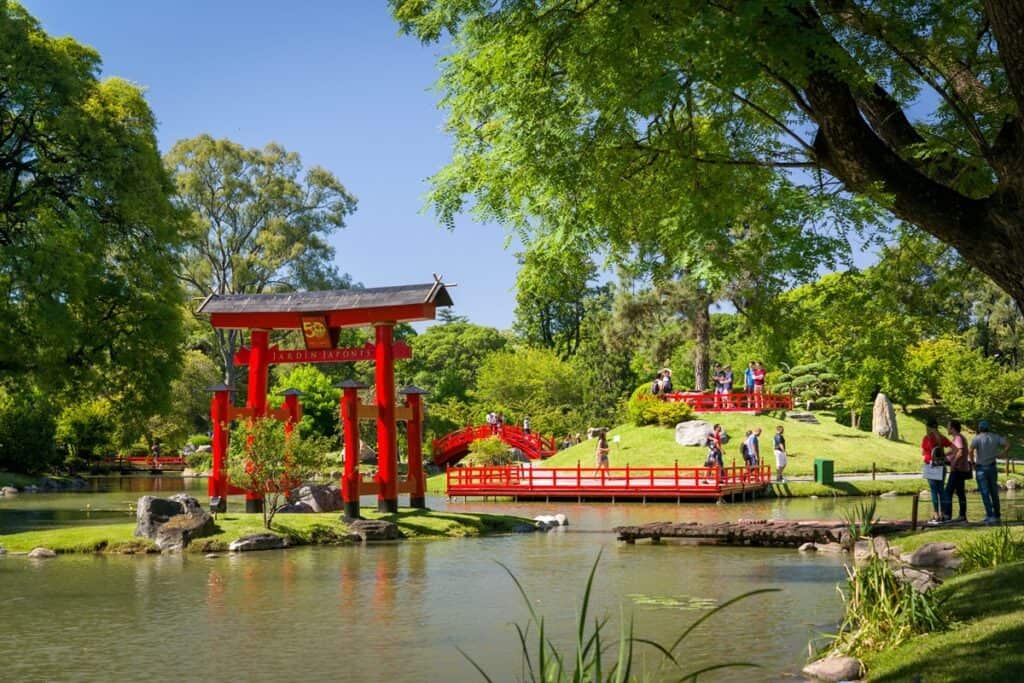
(806, 418)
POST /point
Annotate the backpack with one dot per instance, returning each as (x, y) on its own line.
(745, 450)
(723, 437)
(938, 456)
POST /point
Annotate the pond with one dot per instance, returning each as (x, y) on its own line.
(401, 612)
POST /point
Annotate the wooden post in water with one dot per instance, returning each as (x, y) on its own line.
(913, 511)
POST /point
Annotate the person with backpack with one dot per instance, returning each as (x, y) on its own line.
(656, 386)
(933, 453)
(745, 449)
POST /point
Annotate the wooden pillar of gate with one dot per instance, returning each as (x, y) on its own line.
(387, 434)
(217, 484)
(414, 432)
(350, 425)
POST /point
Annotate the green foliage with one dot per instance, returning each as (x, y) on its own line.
(89, 299)
(446, 358)
(263, 459)
(533, 382)
(644, 409)
(974, 387)
(860, 518)
(85, 432)
(259, 223)
(489, 451)
(808, 382)
(882, 611)
(189, 409)
(991, 549)
(197, 440)
(320, 400)
(27, 429)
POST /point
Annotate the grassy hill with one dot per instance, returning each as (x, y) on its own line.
(851, 449)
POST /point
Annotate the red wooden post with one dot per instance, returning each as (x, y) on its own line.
(387, 441)
(414, 431)
(217, 484)
(578, 474)
(350, 425)
(294, 411)
(677, 473)
(256, 400)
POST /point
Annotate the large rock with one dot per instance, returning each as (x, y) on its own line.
(693, 432)
(883, 418)
(319, 497)
(373, 529)
(177, 532)
(935, 555)
(8, 491)
(42, 553)
(922, 581)
(152, 512)
(295, 507)
(264, 541)
(835, 668)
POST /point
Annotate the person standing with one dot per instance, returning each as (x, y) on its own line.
(959, 473)
(727, 385)
(754, 447)
(748, 384)
(656, 386)
(985, 448)
(718, 380)
(759, 374)
(526, 425)
(601, 456)
(933, 446)
(666, 383)
(779, 446)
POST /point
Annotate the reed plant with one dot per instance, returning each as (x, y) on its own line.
(596, 656)
(882, 611)
(991, 549)
(860, 518)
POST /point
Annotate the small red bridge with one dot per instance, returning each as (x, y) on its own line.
(528, 482)
(452, 447)
(735, 402)
(147, 463)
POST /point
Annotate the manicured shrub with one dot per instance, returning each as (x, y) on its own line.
(644, 409)
(489, 452)
(197, 440)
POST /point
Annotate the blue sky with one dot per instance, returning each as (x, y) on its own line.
(332, 81)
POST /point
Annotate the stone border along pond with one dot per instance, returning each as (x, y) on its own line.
(179, 523)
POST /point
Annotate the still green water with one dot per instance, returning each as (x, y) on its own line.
(399, 612)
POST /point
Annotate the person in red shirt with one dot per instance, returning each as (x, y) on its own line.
(933, 475)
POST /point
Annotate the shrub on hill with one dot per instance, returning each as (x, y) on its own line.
(643, 409)
(489, 452)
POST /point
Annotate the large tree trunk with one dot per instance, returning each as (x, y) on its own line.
(701, 321)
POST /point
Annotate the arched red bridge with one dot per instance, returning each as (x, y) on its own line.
(450, 448)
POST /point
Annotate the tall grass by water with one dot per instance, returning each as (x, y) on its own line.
(597, 656)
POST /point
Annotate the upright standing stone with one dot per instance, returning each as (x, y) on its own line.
(883, 418)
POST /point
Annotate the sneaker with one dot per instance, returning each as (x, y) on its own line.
(961, 518)
(993, 521)
(934, 522)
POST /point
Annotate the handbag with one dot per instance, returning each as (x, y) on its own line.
(933, 472)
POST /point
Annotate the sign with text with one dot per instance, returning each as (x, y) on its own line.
(315, 332)
(400, 350)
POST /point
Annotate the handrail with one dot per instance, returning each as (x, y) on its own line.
(533, 445)
(636, 479)
(736, 401)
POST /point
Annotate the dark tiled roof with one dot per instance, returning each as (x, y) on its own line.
(337, 300)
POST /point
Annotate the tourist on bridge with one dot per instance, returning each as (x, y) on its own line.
(754, 447)
(748, 383)
(601, 456)
(666, 382)
(984, 449)
(500, 422)
(492, 422)
(759, 375)
(526, 425)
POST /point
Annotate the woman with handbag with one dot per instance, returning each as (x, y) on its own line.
(933, 449)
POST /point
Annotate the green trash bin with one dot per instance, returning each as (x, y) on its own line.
(824, 471)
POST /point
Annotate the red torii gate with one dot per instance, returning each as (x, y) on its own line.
(320, 316)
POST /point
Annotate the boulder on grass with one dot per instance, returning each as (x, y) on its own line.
(937, 555)
(883, 418)
(264, 541)
(176, 533)
(152, 512)
(835, 668)
(693, 432)
(319, 497)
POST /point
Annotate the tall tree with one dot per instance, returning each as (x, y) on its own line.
(562, 109)
(259, 224)
(553, 291)
(88, 236)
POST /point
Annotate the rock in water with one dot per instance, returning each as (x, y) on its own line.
(883, 418)
(178, 531)
(835, 669)
(693, 433)
(152, 512)
(42, 553)
(264, 541)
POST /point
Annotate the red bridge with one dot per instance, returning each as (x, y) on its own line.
(526, 482)
(735, 402)
(452, 447)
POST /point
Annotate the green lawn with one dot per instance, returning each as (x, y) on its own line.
(304, 529)
(985, 644)
(852, 450)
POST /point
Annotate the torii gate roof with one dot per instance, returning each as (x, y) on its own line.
(342, 308)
